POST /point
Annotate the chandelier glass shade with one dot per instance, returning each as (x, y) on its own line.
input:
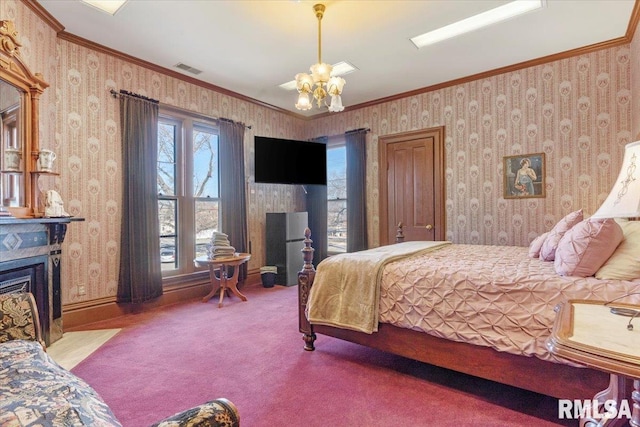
(320, 83)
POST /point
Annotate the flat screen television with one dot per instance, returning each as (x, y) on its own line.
(287, 161)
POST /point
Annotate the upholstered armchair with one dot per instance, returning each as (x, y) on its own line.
(35, 390)
(19, 318)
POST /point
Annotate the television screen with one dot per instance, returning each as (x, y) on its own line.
(286, 161)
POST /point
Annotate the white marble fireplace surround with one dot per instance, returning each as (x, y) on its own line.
(30, 253)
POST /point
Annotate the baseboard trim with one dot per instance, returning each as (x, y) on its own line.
(82, 314)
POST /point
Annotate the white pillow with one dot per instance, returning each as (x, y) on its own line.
(624, 264)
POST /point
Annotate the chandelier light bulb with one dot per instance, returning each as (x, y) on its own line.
(321, 72)
(303, 102)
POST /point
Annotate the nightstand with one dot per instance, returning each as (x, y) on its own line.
(588, 333)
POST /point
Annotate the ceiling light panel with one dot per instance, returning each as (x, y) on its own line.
(108, 6)
(481, 20)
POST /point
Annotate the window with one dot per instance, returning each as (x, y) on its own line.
(336, 198)
(188, 190)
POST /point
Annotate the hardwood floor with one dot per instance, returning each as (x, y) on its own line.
(74, 347)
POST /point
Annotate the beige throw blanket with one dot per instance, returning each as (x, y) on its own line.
(346, 289)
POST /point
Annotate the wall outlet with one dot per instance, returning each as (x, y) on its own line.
(81, 290)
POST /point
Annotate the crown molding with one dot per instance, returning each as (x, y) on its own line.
(63, 35)
(59, 28)
(44, 15)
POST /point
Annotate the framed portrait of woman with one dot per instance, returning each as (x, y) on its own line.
(524, 176)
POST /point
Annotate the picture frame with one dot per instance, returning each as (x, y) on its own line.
(523, 181)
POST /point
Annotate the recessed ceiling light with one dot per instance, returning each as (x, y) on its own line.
(339, 69)
(481, 20)
(108, 6)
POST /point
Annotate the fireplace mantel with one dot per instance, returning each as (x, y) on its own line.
(32, 248)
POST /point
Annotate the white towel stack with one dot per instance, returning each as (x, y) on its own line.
(219, 247)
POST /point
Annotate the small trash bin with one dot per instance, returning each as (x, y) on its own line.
(268, 275)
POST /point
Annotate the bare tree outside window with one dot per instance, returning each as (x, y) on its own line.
(206, 187)
(337, 199)
(167, 202)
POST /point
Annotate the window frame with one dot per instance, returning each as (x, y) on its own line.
(184, 198)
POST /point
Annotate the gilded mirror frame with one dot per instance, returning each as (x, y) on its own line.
(14, 71)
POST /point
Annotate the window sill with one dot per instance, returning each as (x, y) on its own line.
(185, 280)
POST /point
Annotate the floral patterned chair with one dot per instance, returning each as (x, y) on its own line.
(36, 391)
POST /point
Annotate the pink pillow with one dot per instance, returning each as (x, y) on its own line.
(548, 249)
(536, 244)
(587, 246)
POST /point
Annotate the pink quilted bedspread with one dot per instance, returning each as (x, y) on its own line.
(493, 296)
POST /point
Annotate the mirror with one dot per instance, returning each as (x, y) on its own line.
(20, 90)
(11, 156)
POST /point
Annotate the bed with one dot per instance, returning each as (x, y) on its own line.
(482, 310)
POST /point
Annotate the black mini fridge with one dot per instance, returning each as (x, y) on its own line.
(285, 240)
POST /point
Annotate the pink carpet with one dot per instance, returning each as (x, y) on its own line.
(251, 352)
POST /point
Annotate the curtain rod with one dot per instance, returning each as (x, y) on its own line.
(172, 107)
(132, 95)
(340, 135)
(365, 130)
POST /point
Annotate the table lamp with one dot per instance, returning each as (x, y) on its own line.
(624, 199)
(624, 202)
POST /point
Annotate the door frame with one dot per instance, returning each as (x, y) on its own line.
(437, 133)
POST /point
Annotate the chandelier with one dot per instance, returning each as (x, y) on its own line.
(320, 83)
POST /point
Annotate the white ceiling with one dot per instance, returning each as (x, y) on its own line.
(251, 46)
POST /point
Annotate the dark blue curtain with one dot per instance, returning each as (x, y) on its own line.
(232, 187)
(316, 200)
(140, 277)
(356, 190)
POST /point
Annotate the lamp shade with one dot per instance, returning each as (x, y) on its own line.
(335, 85)
(304, 82)
(303, 101)
(336, 104)
(624, 199)
(321, 72)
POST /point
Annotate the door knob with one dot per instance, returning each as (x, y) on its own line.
(429, 227)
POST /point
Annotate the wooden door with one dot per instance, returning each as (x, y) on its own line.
(412, 185)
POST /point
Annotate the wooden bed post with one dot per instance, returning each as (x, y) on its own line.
(305, 281)
(399, 234)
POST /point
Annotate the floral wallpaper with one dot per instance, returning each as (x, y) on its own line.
(578, 111)
(82, 127)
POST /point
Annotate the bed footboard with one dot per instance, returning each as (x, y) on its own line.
(305, 281)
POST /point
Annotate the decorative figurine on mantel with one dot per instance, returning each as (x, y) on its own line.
(53, 205)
